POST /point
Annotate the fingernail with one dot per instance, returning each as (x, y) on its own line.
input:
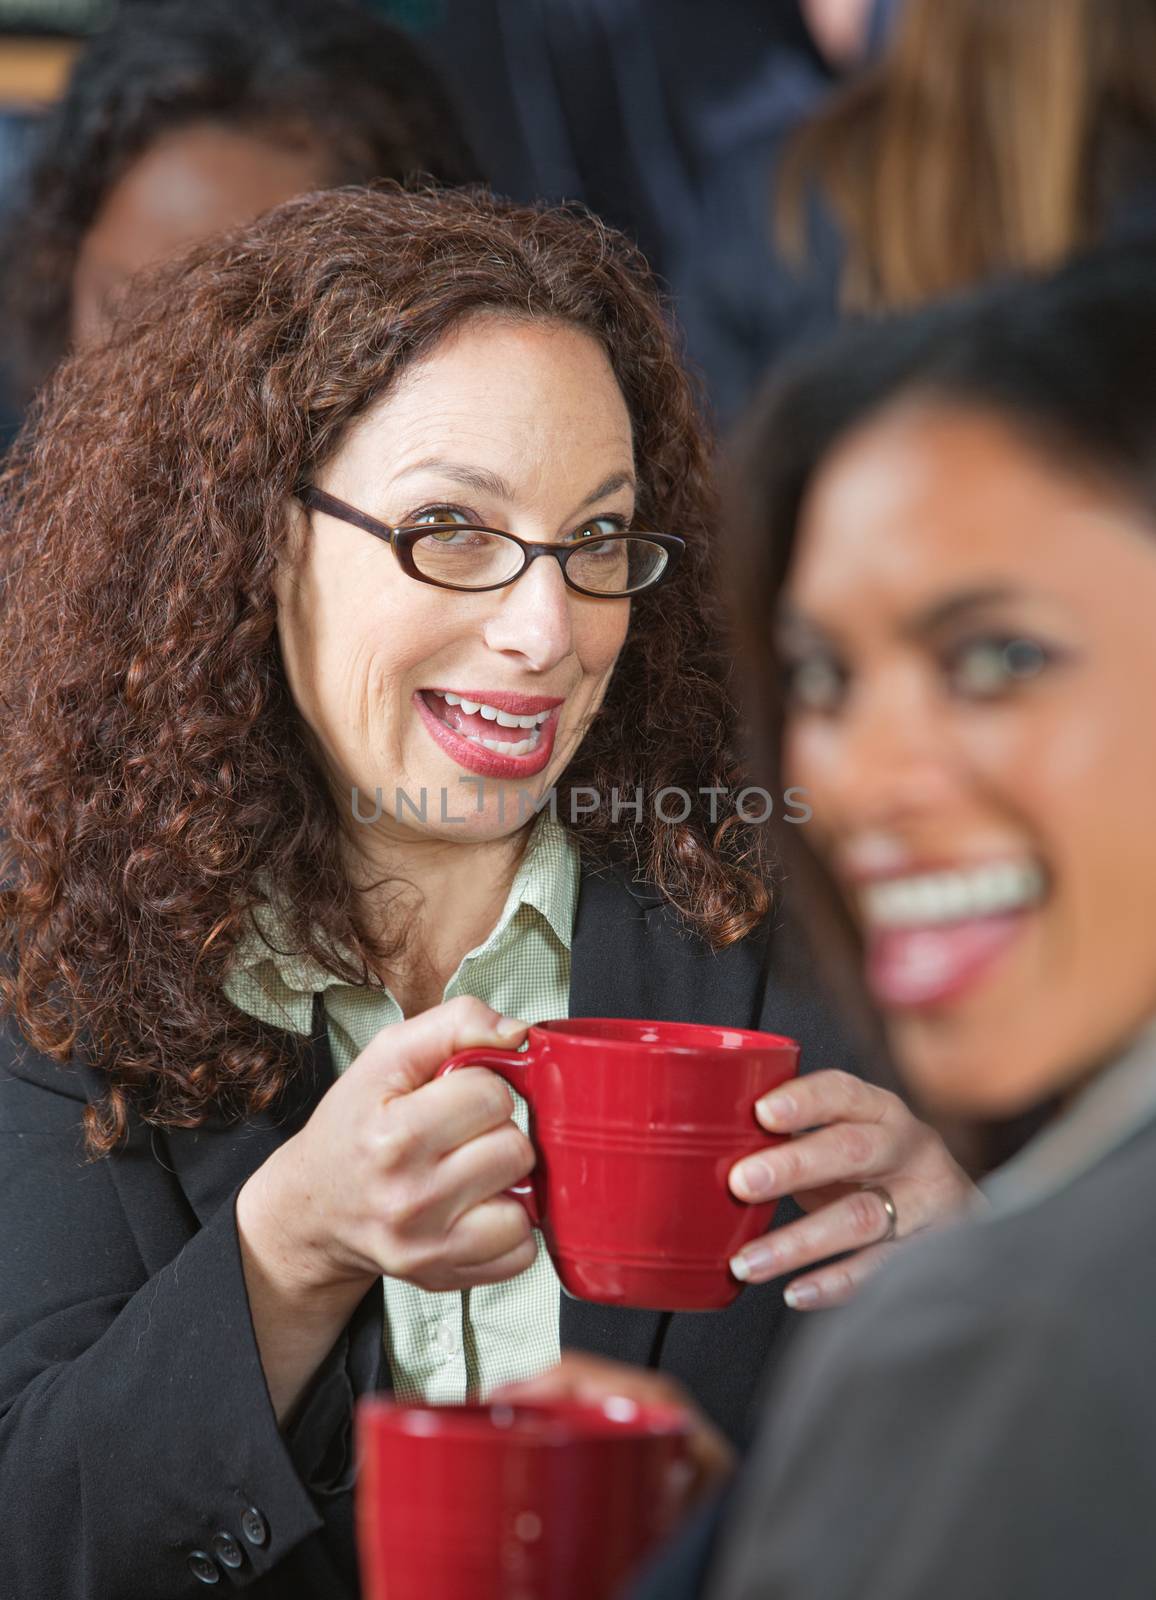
(753, 1179)
(754, 1263)
(509, 1027)
(801, 1296)
(776, 1109)
(740, 1268)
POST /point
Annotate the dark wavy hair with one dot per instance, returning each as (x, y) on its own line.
(153, 765)
(320, 73)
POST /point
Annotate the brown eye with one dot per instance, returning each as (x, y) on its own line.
(598, 529)
(438, 514)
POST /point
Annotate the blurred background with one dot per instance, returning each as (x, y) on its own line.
(781, 162)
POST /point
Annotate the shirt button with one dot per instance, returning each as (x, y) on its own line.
(254, 1526)
(227, 1551)
(446, 1341)
(203, 1567)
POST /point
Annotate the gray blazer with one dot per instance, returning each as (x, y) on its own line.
(981, 1422)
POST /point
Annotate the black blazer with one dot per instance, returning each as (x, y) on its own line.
(135, 1425)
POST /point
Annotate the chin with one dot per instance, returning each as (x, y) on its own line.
(981, 1075)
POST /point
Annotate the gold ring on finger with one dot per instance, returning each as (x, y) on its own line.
(888, 1205)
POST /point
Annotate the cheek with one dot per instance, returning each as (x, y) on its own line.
(1083, 778)
(810, 761)
(599, 638)
(805, 754)
(353, 643)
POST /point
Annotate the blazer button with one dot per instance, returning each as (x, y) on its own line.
(227, 1551)
(203, 1567)
(254, 1526)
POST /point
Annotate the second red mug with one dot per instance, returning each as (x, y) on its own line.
(636, 1126)
(555, 1501)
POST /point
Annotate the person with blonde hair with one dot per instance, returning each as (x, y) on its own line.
(990, 137)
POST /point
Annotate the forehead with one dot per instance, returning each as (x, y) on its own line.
(926, 498)
(193, 182)
(495, 388)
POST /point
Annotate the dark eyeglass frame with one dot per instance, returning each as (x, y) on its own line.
(402, 541)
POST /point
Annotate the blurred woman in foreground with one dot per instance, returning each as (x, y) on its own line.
(950, 568)
(947, 580)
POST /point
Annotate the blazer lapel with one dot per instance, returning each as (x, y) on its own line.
(215, 1159)
(631, 957)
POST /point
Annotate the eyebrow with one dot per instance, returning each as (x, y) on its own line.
(924, 622)
(959, 605)
(485, 482)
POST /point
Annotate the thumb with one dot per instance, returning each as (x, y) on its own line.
(407, 1054)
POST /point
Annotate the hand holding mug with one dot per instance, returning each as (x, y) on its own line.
(845, 1139)
(400, 1172)
(636, 1125)
(591, 1380)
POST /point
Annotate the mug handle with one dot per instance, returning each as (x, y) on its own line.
(511, 1065)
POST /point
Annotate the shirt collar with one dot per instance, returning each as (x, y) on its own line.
(547, 879)
(1118, 1102)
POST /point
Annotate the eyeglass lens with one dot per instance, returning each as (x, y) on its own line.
(472, 558)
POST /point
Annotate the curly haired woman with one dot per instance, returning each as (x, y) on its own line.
(272, 590)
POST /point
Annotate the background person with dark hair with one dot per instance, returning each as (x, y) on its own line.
(667, 118)
(186, 117)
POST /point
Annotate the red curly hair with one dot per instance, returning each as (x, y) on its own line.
(153, 764)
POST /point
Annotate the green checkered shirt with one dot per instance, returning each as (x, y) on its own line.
(452, 1345)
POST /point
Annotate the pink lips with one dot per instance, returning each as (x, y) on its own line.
(925, 966)
(475, 757)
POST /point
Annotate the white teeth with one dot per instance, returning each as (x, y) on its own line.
(936, 897)
(504, 719)
(521, 748)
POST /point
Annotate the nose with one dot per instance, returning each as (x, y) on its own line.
(533, 619)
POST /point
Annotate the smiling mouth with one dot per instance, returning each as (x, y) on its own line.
(937, 898)
(484, 724)
(932, 935)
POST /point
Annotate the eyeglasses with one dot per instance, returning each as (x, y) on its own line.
(457, 555)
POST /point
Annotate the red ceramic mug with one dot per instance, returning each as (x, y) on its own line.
(636, 1126)
(555, 1501)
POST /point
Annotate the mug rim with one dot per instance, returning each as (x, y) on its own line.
(532, 1422)
(751, 1039)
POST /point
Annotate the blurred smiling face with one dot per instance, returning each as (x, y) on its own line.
(971, 648)
(407, 687)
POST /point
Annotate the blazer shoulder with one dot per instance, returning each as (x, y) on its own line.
(37, 1092)
(633, 955)
(1070, 1272)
